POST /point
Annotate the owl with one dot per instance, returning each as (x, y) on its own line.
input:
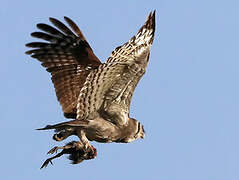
(95, 95)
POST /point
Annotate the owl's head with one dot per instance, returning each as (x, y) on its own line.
(135, 130)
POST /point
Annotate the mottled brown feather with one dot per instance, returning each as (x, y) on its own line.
(109, 88)
(68, 57)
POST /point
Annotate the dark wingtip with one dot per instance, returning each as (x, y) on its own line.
(66, 18)
(39, 25)
(151, 19)
(154, 11)
(27, 45)
(55, 21)
(150, 23)
(52, 19)
(148, 28)
(74, 27)
(28, 52)
(35, 34)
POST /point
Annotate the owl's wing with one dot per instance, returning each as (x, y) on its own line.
(68, 57)
(109, 88)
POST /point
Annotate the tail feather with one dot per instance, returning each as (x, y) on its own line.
(46, 127)
(68, 124)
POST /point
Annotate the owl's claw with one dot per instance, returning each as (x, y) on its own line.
(53, 150)
(46, 163)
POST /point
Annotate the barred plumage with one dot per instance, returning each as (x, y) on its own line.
(67, 57)
(96, 95)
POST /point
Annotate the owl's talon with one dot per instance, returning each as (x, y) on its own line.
(53, 150)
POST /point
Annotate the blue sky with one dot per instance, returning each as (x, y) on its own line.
(188, 100)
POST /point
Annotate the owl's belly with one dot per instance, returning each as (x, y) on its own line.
(102, 136)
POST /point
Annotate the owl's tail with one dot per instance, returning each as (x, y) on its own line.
(65, 125)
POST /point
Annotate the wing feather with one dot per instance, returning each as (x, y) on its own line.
(67, 56)
(137, 46)
(108, 89)
(97, 82)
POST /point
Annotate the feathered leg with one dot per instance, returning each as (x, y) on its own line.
(81, 134)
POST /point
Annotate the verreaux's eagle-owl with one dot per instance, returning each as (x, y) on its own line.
(96, 95)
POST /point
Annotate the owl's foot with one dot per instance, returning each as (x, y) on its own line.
(46, 163)
(62, 135)
(50, 160)
(54, 150)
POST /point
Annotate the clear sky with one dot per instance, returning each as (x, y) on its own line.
(188, 100)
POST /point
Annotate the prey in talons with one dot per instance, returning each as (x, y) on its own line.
(75, 149)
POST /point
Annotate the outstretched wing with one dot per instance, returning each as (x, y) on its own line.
(108, 89)
(68, 57)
